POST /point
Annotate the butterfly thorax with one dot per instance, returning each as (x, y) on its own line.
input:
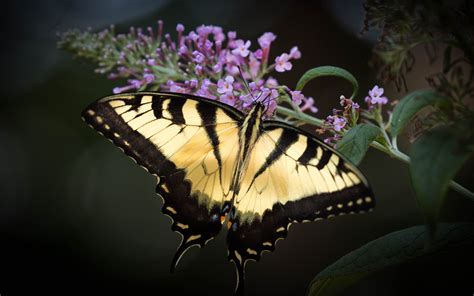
(248, 135)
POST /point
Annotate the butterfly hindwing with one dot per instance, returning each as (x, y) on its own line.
(291, 177)
(189, 143)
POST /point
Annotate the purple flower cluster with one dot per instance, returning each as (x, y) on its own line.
(206, 62)
(344, 119)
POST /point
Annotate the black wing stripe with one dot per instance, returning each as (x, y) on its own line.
(157, 106)
(309, 153)
(175, 107)
(324, 159)
(208, 116)
(287, 138)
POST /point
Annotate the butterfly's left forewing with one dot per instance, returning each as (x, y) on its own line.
(291, 177)
(189, 143)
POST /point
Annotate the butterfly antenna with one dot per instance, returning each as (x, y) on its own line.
(267, 99)
(270, 97)
(246, 84)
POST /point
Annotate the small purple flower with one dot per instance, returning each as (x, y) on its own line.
(228, 98)
(193, 36)
(379, 100)
(271, 82)
(271, 107)
(254, 66)
(198, 70)
(375, 97)
(295, 53)
(217, 68)
(203, 30)
(241, 48)
(118, 90)
(180, 28)
(206, 83)
(297, 97)
(150, 62)
(135, 83)
(216, 30)
(225, 86)
(282, 63)
(232, 69)
(266, 39)
(219, 37)
(198, 57)
(309, 104)
(207, 45)
(203, 91)
(269, 97)
(183, 49)
(336, 122)
(177, 89)
(148, 77)
(376, 91)
(231, 35)
(258, 54)
(193, 83)
(267, 94)
(253, 86)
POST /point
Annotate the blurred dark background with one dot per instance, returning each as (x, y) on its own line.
(78, 217)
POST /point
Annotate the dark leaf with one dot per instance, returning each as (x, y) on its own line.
(356, 141)
(436, 157)
(409, 106)
(392, 249)
(328, 71)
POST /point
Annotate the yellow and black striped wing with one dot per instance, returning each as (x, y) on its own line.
(188, 142)
(291, 177)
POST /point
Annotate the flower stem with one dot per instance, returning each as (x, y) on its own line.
(397, 154)
(300, 116)
(392, 151)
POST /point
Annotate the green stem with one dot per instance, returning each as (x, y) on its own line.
(397, 154)
(462, 190)
(300, 116)
(392, 151)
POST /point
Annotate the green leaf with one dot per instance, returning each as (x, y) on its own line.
(356, 141)
(409, 106)
(396, 248)
(436, 157)
(328, 71)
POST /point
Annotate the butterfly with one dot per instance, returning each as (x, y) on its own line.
(217, 166)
